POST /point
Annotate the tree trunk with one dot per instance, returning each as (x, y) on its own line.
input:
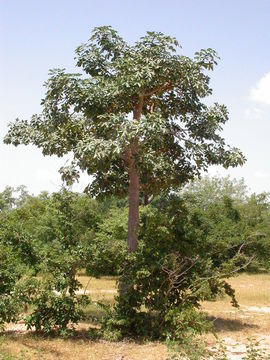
(133, 198)
(133, 211)
(133, 222)
(134, 186)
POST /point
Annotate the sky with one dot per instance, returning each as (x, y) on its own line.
(36, 36)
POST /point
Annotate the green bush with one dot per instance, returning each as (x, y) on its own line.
(171, 273)
(53, 252)
(11, 272)
(55, 310)
(108, 248)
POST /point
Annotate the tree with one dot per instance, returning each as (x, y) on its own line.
(11, 197)
(207, 191)
(136, 120)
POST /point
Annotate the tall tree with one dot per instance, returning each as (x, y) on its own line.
(135, 120)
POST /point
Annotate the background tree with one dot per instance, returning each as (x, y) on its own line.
(189, 244)
(11, 197)
(209, 190)
(136, 120)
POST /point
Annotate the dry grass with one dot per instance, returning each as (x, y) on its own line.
(252, 320)
(103, 289)
(252, 317)
(93, 284)
(32, 347)
(252, 289)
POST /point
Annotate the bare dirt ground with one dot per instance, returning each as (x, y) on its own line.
(235, 327)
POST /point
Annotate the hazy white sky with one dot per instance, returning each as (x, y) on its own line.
(39, 35)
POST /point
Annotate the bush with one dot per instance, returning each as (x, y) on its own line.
(53, 253)
(53, 310)
(11, 272)
(108, 248)
(173, 270)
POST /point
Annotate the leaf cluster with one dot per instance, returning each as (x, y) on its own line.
(142, 102)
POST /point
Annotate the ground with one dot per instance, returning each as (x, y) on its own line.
(235, 327)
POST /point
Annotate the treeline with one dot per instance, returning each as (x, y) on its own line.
(189, 243)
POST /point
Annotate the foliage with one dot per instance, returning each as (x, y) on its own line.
(11, 197)
(228, 223)
(176, 136)
(211, 190)
(187, 248)
(55, 250)
(11, 272)
(55, 305)
(235, 217)
(254, 352)
(173, 270)
(136, 121)
(108, 249)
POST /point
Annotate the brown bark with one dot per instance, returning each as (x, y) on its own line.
(134, 186)
(138, 109)
(133, 213)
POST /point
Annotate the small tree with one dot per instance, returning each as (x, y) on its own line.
(136, 120)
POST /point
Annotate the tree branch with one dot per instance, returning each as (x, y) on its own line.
(166, 86)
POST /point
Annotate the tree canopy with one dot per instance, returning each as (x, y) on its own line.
(136, 119)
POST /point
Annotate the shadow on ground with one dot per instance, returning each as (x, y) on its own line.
(222, 324)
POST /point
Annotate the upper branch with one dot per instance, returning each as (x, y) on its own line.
(164, 87)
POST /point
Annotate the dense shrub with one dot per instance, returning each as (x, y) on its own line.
(54, 250)
(173, 270)
(54, 304)
(108, 249)
(188, 245)
(11, 273)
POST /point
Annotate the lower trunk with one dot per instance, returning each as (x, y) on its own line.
(133, 200)
(133, 223)
(133, 212)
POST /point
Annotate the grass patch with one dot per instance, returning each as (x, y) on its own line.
(237, 324)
